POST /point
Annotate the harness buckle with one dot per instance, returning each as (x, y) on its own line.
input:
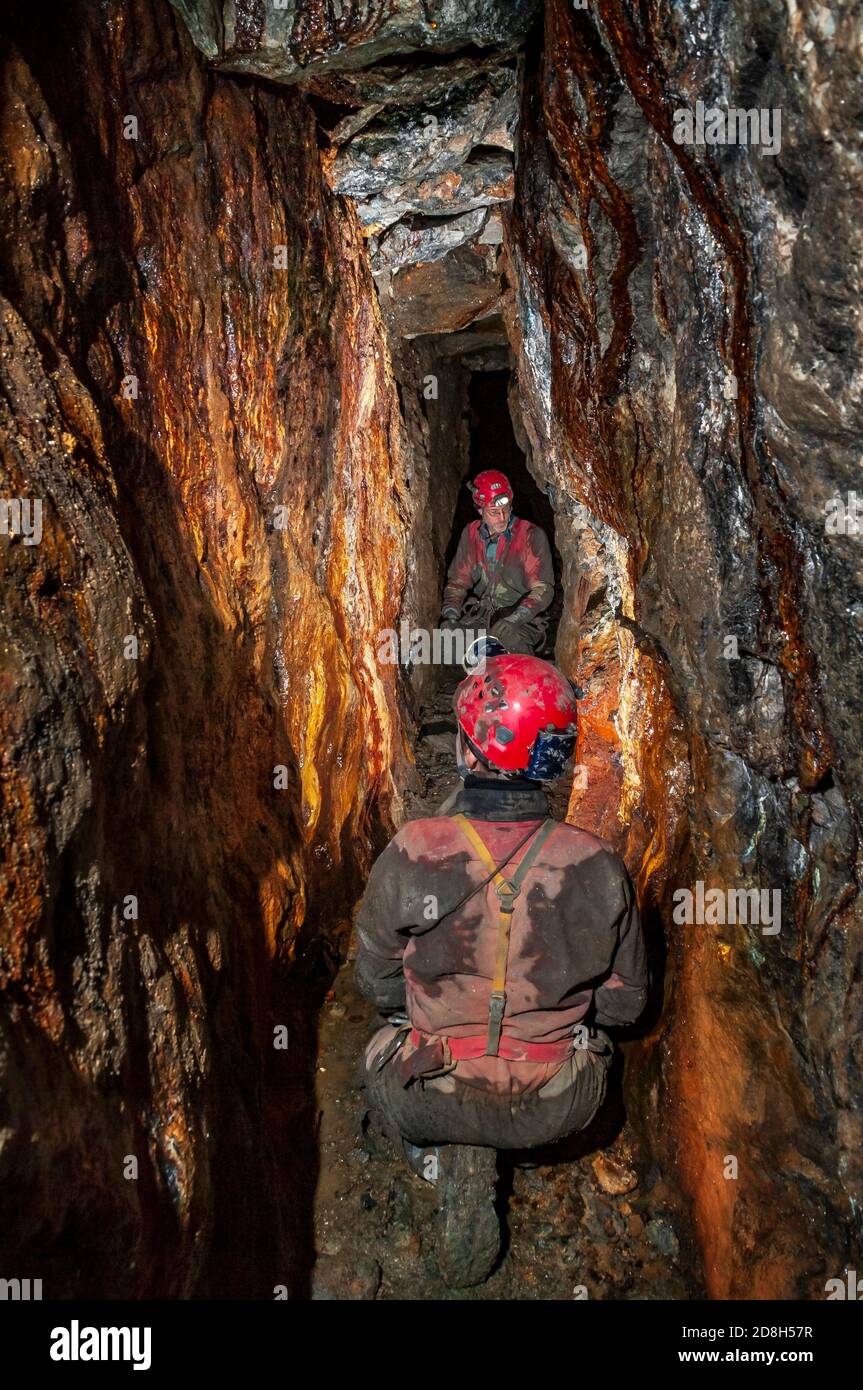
(507, 892)
(496, 1006)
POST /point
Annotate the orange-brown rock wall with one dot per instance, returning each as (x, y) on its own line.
(686, 358)
(200, 748)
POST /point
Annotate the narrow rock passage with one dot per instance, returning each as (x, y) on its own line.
(260, 266)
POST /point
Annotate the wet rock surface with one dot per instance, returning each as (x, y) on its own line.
(407, 145)
(687, 366)
(306, 38)
(443, 295)
(200, 750)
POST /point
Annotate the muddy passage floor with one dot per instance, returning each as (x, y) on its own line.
(584, 1216)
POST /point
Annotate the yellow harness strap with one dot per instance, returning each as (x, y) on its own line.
(507, 890)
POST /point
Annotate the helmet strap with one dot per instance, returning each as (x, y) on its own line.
(463, 769)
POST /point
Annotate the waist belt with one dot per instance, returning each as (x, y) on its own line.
(512, 1049)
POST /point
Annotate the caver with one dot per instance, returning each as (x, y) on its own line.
(500, 1002)
(501, 577)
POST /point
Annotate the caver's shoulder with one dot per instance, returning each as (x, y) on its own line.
(428, 835)
(584, 845)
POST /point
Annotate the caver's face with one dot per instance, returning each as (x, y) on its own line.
(496, 518)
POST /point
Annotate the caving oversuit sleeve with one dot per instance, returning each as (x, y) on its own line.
(381, 932)
(622, 995)
(459, 577)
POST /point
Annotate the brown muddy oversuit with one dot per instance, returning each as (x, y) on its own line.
(576, 954)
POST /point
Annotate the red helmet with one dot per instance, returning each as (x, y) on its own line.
(489, 488)
(518, 714)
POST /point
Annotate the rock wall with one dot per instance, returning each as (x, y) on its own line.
(433, 400)
(303, 40)
(689, 367)
(201, 750)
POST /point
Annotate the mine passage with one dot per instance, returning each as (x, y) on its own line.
(516, 957)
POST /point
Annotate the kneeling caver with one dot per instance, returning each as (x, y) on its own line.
(509, 941)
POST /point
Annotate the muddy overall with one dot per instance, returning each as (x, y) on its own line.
(429, 1107)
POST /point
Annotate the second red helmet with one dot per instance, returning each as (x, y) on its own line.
(490, 487)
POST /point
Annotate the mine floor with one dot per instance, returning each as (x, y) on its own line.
(583, 1223)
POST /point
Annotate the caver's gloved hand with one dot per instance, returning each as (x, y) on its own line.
(507, 629)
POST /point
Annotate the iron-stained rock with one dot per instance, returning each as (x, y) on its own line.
(411, 144)
(196, 384)
(306, 38)
(444, 295)
(425, 240)
(688, 364)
